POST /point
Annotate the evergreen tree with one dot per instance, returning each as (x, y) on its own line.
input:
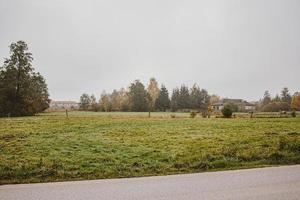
(22, 90)
(285, 96)
(175, 99)
(195, 97)
(184, 97)
(138, 97)
(163, 102)
(266, 99)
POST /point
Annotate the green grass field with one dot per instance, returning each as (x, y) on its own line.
(90, 145)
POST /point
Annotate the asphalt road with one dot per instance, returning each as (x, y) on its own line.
(264, 183)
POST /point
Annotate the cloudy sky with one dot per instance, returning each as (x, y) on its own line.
(234, 48)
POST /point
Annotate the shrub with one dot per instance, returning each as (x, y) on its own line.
(233, 107)
(193, 114)
(276, 107)
(204, 114)
(293, 113)
(173, 115)
(227, 112)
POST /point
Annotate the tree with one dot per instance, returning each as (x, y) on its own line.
(175, 99)
(115, 101)
(205, 99)
(153, 93)
(105, 103)
(125, 101)
(285, 95)
(233, 107)
(22, 90)
(195, 97)
(84, 101)
(295, 104)
(184, 97)
(266, 99)
(163, 102)
(276, 98)
(214, 99)
(138, 97)
(94, 104)
(199, 99)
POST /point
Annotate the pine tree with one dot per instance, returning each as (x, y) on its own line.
(285, 96)
(163, 102)
(175, 99)
(184, 97)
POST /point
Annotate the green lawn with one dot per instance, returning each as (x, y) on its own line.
(90, 145)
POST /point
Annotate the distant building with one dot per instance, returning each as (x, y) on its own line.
(64, 105)
(242, 104)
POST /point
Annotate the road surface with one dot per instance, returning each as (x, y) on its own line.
(264, 183)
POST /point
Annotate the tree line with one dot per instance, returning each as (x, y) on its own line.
(138, 98)
(283, 102)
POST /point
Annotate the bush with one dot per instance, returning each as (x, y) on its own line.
(204, 114)
(293, 113)
(193, 114)
(276, 107)
(172, 115)
(233, 107)
(227, 112)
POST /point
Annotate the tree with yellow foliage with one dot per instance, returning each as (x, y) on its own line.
(295, 104)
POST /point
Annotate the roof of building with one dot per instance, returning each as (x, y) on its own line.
(236, 101)
(63, 102)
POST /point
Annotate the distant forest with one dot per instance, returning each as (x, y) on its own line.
(139, 98)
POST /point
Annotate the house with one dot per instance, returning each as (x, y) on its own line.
(250, 106)
(64, 105)
(240, 103)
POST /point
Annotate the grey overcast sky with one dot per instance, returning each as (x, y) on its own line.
(234, 48)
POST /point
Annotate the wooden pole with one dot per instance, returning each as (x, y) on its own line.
(67, 115)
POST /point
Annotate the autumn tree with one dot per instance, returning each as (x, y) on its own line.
(115, 101)
(153, 93)
(295, 104)
(163, 102)
(22, 90)
(124, 100)
(105, 103)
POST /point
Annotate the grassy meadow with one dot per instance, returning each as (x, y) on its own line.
(89, 145)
